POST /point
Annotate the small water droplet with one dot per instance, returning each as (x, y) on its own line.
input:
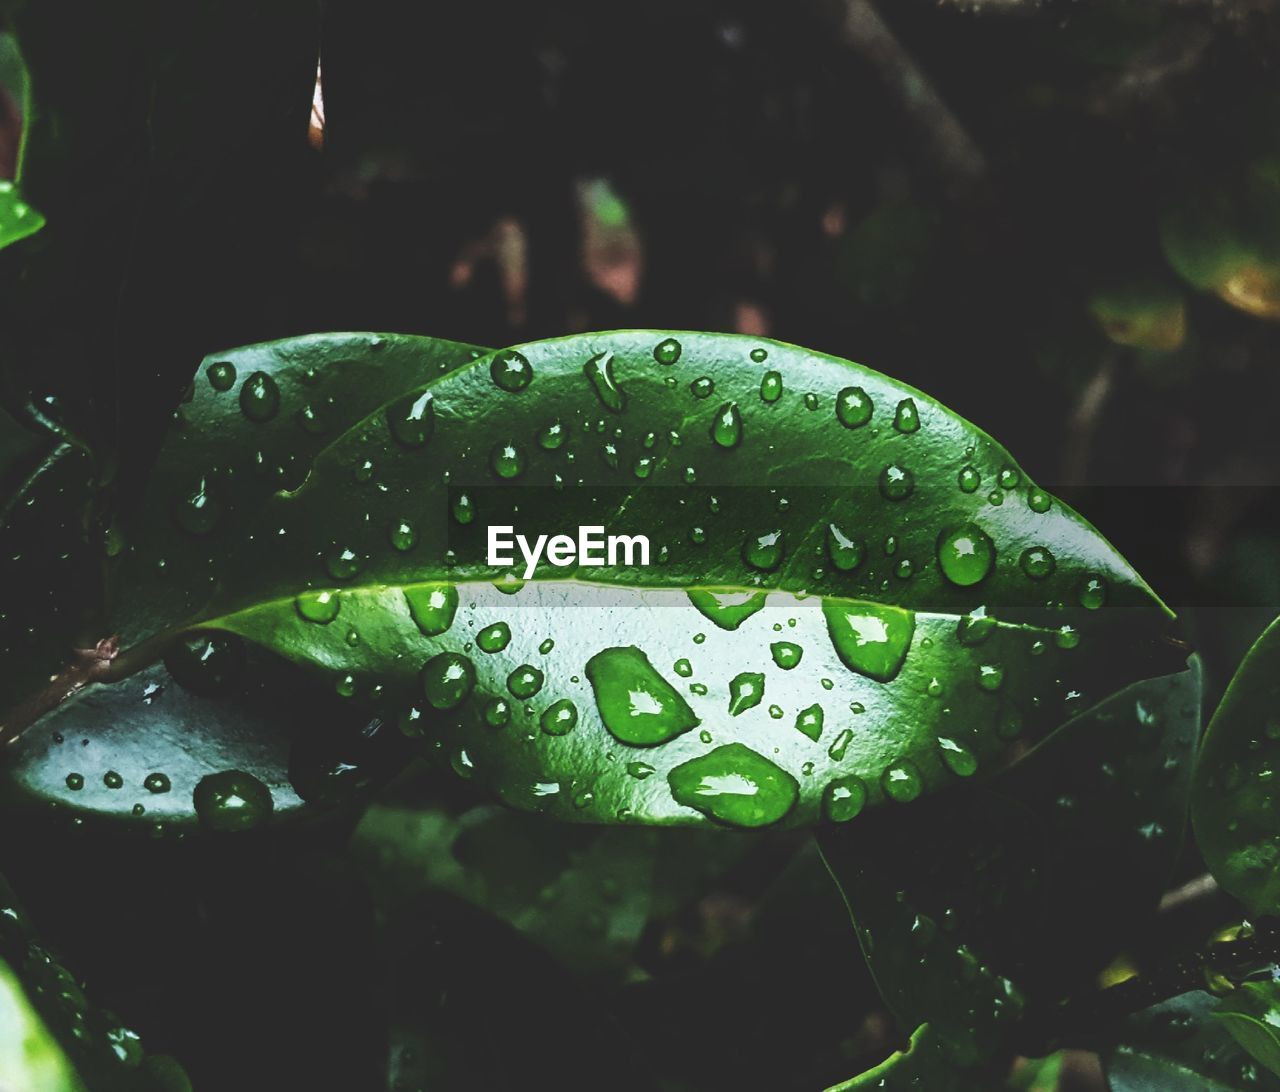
(402, 535)
(497, 713)
(511, 371)
(342, 562)
(221, 375)
(75, 782)
(1093, 591)
(411, 420)
(232, 801)
(432, 607)
(846, 553)
(958, 758)
(901, 781)
(599, 370)
(809, 722)
(447, 680)
(975, 627)
(667, 351)
(156, 783)
(745, 692)
(197, 513)
(843, 798)
(1037, 562)
(702, 387)
(506, 460)
(1038, 500)
(906, 418)
(559, 718)
(854, 407)
(494, 638)
(764, 552)
(259, 397)
(759, 355)
(990, 676)
(840, 745)
(786, 654)
(771, 387)
(463, 509)
(896, 482)
(726, 427)
(969, 480)
(525, 681)
(553, 436)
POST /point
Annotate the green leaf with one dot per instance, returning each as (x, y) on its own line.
(817, 525)
(17, 218)
(924, 1065)
(1021, 891)
(214, 739)
(254, 422)
(1252, 1015)
(1233, 800)
(1176, 1046)
(30, 1056)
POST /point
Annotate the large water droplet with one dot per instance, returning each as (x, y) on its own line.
(667, 351)
(221, 375)
(638, 706)
(232, 800)
(901, 781)
(599, 369)
(896, 482)
(494, 638)
(843, 798)
(447, 680)
(846, 553)
(432, 607)
(507, 460)
(559, 718)
(511, 371)
(735, 785)
(764, 552)
(412, 419)
(727, 609)
(809, 722)
(854, 407)
(259, 397)
(746, 690)
(726, 427)
(965, 554)
(869, 638)
(320, 607)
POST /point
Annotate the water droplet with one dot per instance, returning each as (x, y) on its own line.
(511, 371)
(1038, 500)
(906, 418)
(259, 397)
(232, 801)
(320, 607)
(342, 562)
(1009, 478)
(525, 681)
(412, 419)
(854, 407)
(683, 668)
(843, 798)
(506, 460)
(990, 676)
(221, 375)
(786, 654)
(463, 510)
(809, 722)
(735, 785)
(1093, 591)
(402, 535)
(846, 553)
(497, 713)
(702, 387)
(840, 745)
(156, 783)
(975, 627)
(638, 706)
(494, 638)
(965, 554)
(553, 436)
(640, 770)
(726, 427)
(559, 718)
(896, 482)
(745, 692)
(1037, 562)
(363, 471)
(959, 759)
(432, 607)
(643, 467)
(759, 355)
(764, 552)
(75, 782)
(729, 609)
(667, 351)
(311, 420)
(1066, 636)
(870, 639)
(771, 387)
(197, 512)
(447, 680)
(901, 781)
(345, 685)
(599, 370)
(969, 480)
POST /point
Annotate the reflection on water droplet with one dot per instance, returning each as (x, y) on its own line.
(786, 654)
(221, 375)
(869, 638)
(896, 482)
(232, 801)
(901, 781)
(506, 460)
(599, 370)
(728, 609)
(845, 552)
(559, 718)
(1037, 562)
(553, 436)
(959, 759)
(726, 426)
(907, 418)
(447, 680)
(511, 371)
(809, 722)
(638, 706)
(771, 387)
(854, 407)
(411, 420)
(667, 351)
(969, 480)
(494, 638)
(735, 785)
(1093, 591)
(843, 798)
(402, 535)
(745, 692)
(259, 397)
(432, 607)
(764, 552)
(525, 681)
(197, 512)
(320, 607)
(965, 554)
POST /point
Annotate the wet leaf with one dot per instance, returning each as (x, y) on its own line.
(1233, 801)
(1178, 1046)
(1252, 1015)
(17, 218)
(977, 904)
(941, 624)
(922, 1067)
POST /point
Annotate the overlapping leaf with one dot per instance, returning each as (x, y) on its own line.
(882, 601)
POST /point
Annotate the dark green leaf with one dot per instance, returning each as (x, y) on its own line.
(851, 528)
(923, 1067)
(17, 218)
(1252, 1015)
(30, 1056)
(1233, 801)
(1177, 1046)
(1023, 890)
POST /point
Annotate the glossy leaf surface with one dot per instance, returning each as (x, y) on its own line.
(17, 218)
(1252, 1014)
(1233, 803)
(849, 490)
